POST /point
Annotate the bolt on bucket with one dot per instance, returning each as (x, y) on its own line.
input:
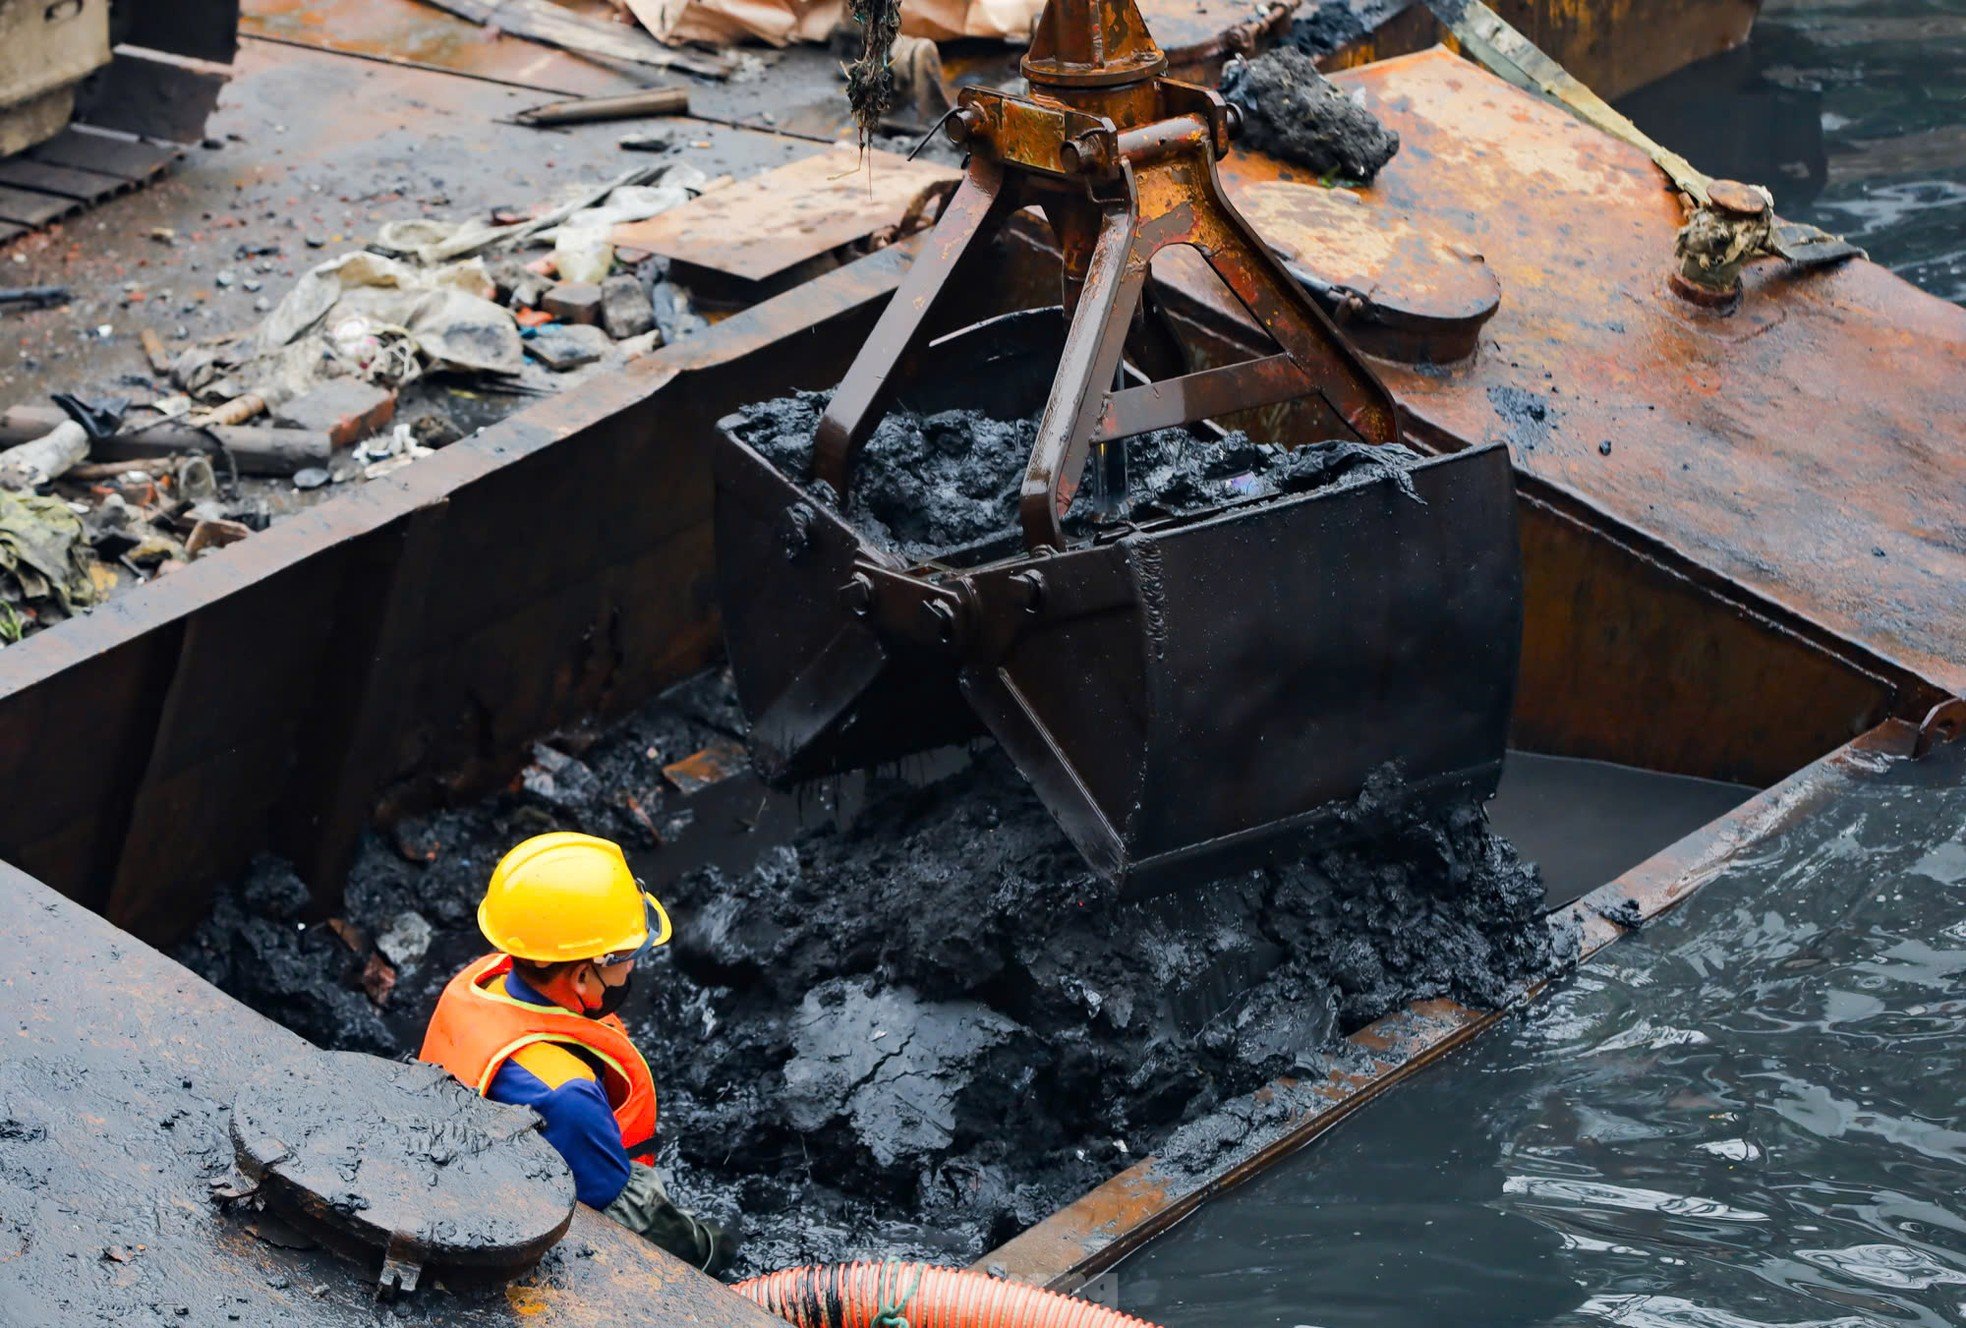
(1186, 693)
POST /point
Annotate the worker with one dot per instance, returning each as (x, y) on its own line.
(535, 1025)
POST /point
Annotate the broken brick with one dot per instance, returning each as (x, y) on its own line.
(626, 310)
(347, 410)
(574, 302)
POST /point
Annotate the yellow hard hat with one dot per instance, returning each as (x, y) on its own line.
(565, 896)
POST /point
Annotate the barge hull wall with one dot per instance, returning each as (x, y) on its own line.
(401, 645)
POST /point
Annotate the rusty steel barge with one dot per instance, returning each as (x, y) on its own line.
(1743, 536)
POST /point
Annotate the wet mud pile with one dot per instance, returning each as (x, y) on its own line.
(924, 484)
(367, 979)
(924, 1031)
(1293, 112)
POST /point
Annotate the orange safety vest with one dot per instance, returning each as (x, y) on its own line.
(476, 1028)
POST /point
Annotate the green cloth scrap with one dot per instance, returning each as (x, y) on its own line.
(43, 549)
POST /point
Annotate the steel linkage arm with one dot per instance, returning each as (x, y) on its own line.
(974, 213)
(1169, 194)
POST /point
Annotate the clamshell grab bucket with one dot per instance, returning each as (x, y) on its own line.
(1185, 694)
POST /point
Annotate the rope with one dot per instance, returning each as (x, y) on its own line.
(892, 1314)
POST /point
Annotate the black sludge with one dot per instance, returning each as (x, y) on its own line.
(1291, 111)
(919, 1034)
(924, 484)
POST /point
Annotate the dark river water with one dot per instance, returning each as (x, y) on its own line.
(1748, 1115)
(1853, 112)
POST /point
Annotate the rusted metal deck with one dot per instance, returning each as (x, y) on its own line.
(1613, 46)
(1667, 457)
(1804, 448)
(1704, 597)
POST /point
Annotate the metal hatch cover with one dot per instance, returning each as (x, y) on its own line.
(403, 1159)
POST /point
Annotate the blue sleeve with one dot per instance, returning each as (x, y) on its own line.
(579, 1124)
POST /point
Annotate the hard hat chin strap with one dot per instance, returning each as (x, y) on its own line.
(568, 991)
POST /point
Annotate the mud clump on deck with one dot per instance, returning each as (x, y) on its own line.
(927, 483)
(1293, 112)
(924, 1030)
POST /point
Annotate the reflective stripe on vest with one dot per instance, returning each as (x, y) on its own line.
(475, 1029)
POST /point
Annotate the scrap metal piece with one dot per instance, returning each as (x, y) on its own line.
(721, 760)
(32, 297)
(1809, 246)
(587, 110)
(1945, 722)
(402, 1266)
(767, 225)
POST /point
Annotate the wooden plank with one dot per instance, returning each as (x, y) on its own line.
(96, 151)
(66, 181)
(28, 208)
(760, 227)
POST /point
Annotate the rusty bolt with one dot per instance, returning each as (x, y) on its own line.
(857, 595)
(1084, 154)
(1737, 199)
(1030, 589)
(963, 125)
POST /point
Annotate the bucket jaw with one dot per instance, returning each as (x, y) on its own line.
(1189, 698)
(1184, 692)
(1187, 694)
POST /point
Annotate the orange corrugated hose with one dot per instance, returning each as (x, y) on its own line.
(855, 1295)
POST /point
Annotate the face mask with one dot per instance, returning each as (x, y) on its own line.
(612, 998)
